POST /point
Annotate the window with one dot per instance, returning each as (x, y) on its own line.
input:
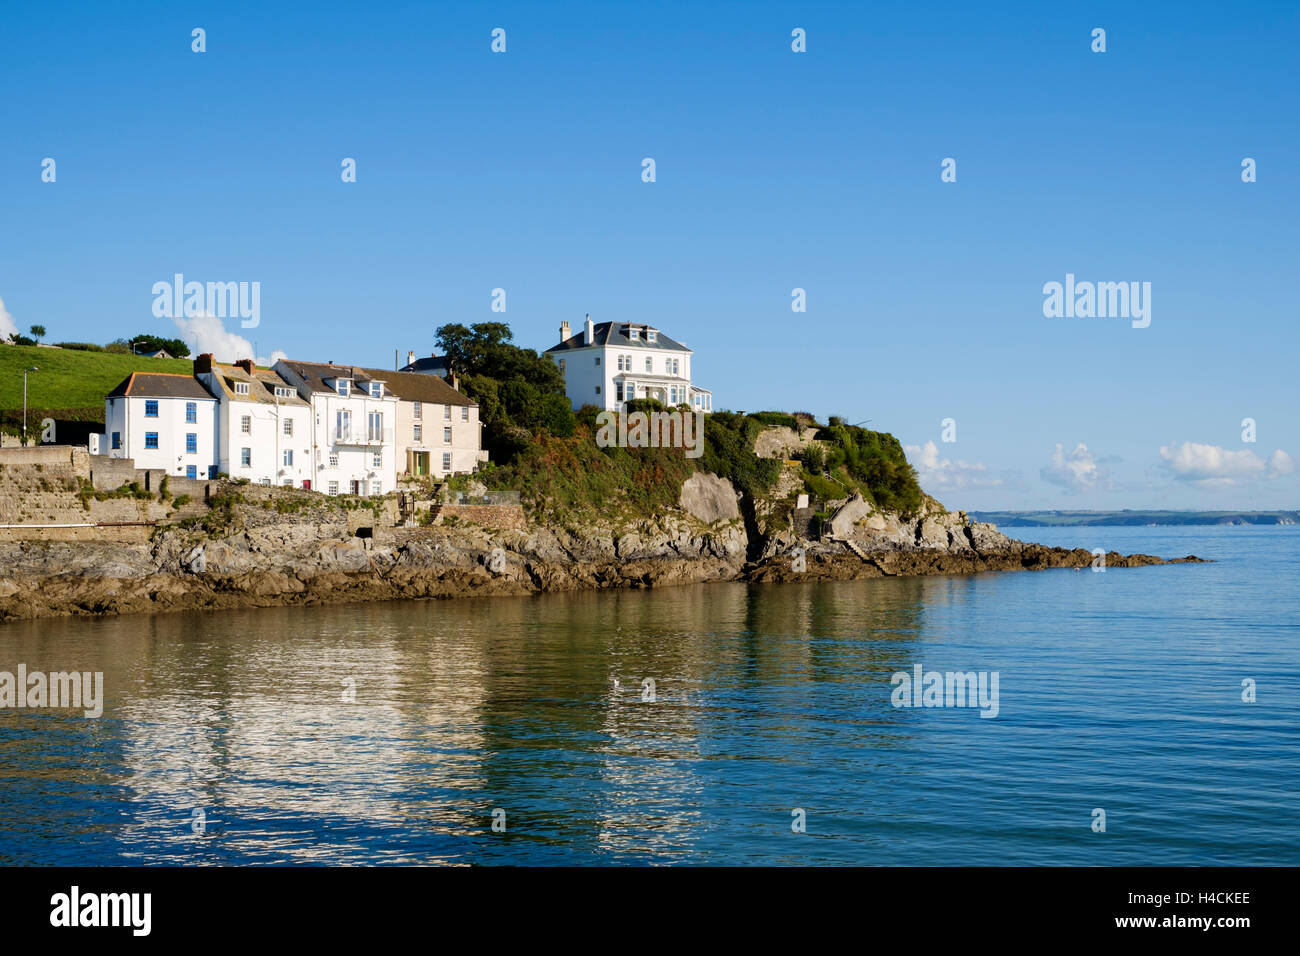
(597, 389)
(288, 482)
(192, 472)
(150, 439)
(191, 444)
(597, 359)
(634, 334)
(376, 389)
(446, 413)
(464, 413)
(562, 365)
(341, 386)
(621, 366)
(376, 488)
(288, 458)
(334, 461)
(266, 481)
(246, 457)
(246, 424)
(651, 335)
(212, 471)
(673, 366)
(117, 439)
(282, 392)
(417, 410)
(649, 364)
(288, 427)
(446, 461)
(192, 412)
(377, 460)
(446, 435)
(417, 433)
(333, 487)
(630, 391)
(375, 426)
(241, 388)
(151, 408)
(618, 391)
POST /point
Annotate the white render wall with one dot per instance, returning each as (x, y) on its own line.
(355, 462)
(582, 374)
(126, 414)
(266, 442)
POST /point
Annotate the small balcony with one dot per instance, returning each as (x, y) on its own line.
(361, 436)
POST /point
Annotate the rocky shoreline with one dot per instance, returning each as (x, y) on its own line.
(267, 559)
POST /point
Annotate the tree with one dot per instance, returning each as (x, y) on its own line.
(147, 342)
(38, 332)
(519, 392)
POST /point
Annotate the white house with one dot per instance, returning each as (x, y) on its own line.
(437, 427)
(263, 424)
(164, 421)
(609, 363)
(351, 432)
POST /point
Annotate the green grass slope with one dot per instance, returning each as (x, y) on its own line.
(69, 380)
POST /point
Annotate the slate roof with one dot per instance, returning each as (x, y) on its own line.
(160, 385)
(419, 387)
(429, 365)
(406, 386)
(614, 334)
(262, 384)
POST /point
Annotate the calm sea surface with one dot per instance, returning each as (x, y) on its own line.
(1119, 690)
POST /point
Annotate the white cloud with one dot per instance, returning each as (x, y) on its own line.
(1210, 464)
(1078, 471)
(945, 473)
(7, 327)
(206, 333)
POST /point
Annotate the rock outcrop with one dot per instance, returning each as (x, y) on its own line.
(257, 556)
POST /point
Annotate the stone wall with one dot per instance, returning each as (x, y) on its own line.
(501, 517)
(107, 474)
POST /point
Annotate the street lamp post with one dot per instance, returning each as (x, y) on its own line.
(32, 369)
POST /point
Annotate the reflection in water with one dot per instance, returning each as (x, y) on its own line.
(390, 733)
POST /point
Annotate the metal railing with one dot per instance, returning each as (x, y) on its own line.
(489, 498)
(361, 435)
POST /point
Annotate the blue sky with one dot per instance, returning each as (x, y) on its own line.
(775, 170)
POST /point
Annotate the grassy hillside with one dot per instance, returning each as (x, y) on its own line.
(69, 380)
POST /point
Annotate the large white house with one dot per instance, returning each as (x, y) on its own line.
(351, 433)
(263, 424)
(163, 421)
(609, 363)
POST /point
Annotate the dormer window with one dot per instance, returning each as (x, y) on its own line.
(341, 386)
(281, 392)
(376, 389)
(633, 334)
(241, 388)
(651, 335)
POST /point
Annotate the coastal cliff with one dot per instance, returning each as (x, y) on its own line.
(252, 553)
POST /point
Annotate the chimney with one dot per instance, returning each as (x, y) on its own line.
(246, 365)
(410, 358)
(564, 331)
(455, 381)
(589, 336)
(203, 363)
